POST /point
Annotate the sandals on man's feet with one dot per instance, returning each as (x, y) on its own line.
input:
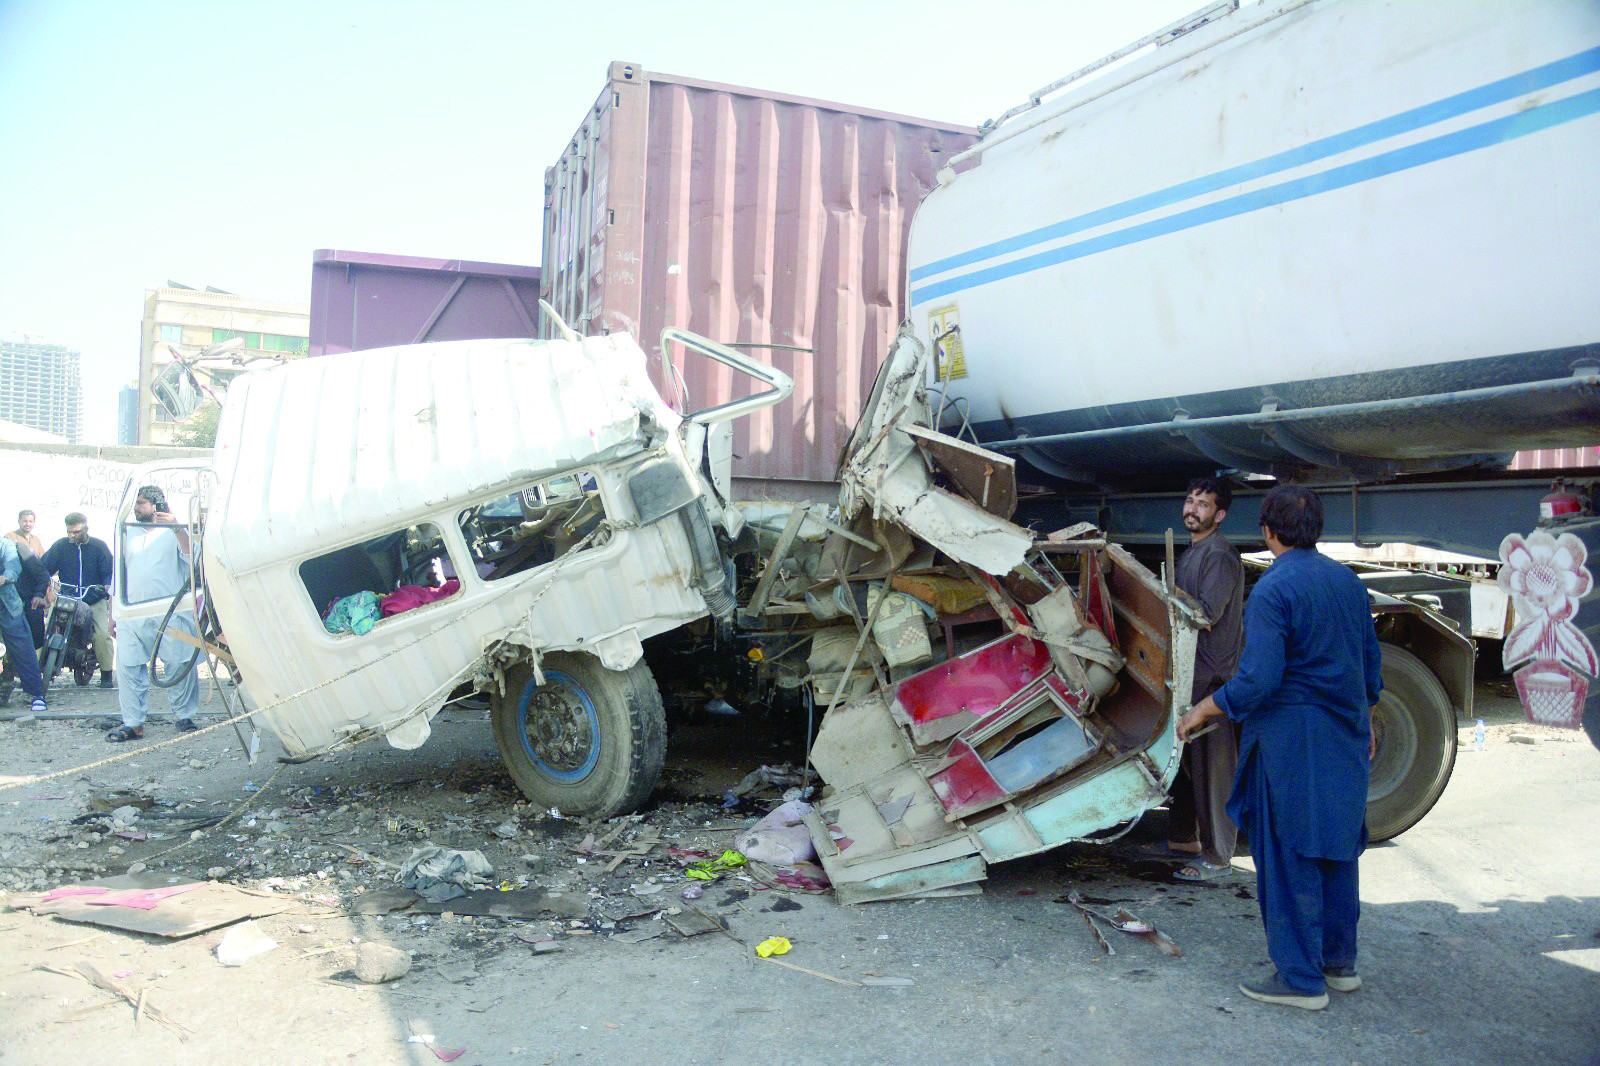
(124, 733)
(1200, 870)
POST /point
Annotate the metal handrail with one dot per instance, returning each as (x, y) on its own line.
(782, 384)
(1001, 136)
(1193, 20)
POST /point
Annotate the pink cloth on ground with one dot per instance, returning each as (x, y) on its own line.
(144, 899)
(410, 597)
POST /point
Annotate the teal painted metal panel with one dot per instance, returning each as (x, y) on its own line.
(1118, 795)
(904, 883)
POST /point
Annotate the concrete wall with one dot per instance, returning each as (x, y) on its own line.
(53, 480)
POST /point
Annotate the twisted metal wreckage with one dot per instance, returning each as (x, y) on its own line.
(584, 525)
(1060, 729)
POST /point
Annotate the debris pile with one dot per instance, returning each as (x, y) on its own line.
(988, 692)
(417, 856)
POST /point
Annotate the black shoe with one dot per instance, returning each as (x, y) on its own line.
(124, 733)
(1273, 990)
(107, 682)
(186, 725)
(1341, 978)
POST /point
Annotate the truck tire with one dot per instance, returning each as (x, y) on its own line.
(589, 741)
(1416, 727)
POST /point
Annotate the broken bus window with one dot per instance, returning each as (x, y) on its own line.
(522, 530)
(400, 570)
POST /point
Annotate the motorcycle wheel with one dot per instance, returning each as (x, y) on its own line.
(52, 665)
(83, 672)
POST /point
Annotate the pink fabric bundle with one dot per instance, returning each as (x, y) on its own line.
(409, 597)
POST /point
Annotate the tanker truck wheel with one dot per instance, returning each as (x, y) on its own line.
(589, 741)
(1416, 728)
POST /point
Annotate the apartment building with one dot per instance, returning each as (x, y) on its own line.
(181, 321)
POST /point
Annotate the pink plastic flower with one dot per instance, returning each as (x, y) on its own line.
(1546, 578)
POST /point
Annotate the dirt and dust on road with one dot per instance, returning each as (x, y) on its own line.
(1481, 930)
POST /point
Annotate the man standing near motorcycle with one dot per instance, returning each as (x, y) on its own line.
(155, 561)
(83, 565)
(34, 605)
(24, 534)
(14, 626)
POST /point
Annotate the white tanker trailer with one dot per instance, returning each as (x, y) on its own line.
(1347, 242)
(1341, 235)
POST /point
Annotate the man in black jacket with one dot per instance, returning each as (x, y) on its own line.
(1211, 572)
(33, 588)
(83, 565)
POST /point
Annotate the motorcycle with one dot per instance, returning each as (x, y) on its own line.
(69, 639)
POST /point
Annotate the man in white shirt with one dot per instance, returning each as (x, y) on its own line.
(155, 565)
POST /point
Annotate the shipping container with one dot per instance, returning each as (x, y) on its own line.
(362, 300)
(752, 218)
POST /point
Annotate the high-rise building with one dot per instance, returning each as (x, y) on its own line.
(194, 320)
(39, 387)
(128, 414)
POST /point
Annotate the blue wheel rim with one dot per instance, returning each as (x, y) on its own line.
(574, 731)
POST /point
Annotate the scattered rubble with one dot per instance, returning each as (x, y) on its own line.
(337, 848)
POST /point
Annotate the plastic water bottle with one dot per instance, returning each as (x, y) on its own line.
(1477, 736)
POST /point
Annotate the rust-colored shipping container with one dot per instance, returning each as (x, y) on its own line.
(752, 218)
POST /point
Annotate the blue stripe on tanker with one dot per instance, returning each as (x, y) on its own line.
(1495, 92)
(1460, 142)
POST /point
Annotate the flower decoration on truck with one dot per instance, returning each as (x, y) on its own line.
(1545, 578)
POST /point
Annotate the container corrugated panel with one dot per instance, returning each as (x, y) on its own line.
(362, 300)
(1557, 459)
(751, 218)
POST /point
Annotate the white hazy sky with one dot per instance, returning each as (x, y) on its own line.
(220, 143)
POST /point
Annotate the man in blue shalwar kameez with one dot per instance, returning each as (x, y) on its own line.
(1310, 672)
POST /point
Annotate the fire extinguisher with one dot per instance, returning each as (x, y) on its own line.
(1559, 503)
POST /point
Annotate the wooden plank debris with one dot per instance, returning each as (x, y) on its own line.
(87, 971)
(813, 973)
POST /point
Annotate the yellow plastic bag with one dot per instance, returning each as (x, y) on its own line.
(773, 945)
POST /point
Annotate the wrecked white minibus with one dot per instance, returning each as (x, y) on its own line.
(380, 528)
